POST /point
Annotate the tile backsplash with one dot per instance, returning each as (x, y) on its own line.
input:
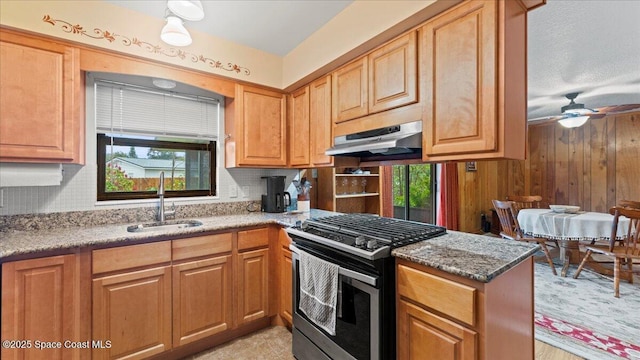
(78, 192)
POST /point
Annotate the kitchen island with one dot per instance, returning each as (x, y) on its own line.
(465, 296)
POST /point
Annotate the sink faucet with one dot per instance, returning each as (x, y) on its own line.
(161, 211)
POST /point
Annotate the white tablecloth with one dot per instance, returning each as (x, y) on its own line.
(586, 226)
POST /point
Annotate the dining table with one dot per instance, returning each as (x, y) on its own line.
(570, 229)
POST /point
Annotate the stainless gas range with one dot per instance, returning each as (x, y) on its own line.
(360, 244)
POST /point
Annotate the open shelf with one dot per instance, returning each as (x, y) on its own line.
(336, 190)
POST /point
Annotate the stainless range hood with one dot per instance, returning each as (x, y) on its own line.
(395, 142)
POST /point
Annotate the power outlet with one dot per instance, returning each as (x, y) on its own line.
(245, 191)
(233, 191)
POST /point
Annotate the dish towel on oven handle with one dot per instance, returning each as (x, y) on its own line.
(319, 291)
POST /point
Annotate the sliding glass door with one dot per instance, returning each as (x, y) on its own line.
(413, 192)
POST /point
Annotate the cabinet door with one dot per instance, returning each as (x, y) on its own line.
(423, 335)
(286, 303)
(261, 126)
(461, 80)
(252, 285)
(39, 302)
(299, 136)
(349, 98)
(133, 311)
(393, 74)
(320, 121)
(40, 101)
(201, 299)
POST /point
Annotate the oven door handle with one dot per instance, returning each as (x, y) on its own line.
(370, 280)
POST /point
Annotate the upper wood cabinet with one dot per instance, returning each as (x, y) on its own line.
(309, 125)
(298, 128)
(41, 101)
(349, 96)
(382, 80)
(393, 78)
(256, 128)
(474, 82)
(40, 301)
(320, 121)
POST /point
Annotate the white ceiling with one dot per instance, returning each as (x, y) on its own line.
(592, 47)
(274, 26)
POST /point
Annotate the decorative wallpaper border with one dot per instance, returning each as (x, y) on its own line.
(111, 37)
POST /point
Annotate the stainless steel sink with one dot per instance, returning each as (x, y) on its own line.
(163, 226)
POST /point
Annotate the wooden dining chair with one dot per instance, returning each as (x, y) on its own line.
(629, 204)
(525, 202)
(623, 252)
(511, 228)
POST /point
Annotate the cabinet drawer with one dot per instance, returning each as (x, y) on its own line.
(448, 297)
(249, 239)
(200, 246)
(131, 256)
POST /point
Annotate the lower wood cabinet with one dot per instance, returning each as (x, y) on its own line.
(424, 335)
(132, 306)
(40, 302)
(253, 285)
(132, 310)
(201, 299)
(138, 301)
(286, 273)
(253, 275)
(202, 287)
(448, 317)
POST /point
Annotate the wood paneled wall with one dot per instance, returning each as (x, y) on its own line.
(593, 166)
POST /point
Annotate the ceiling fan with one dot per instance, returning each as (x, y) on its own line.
(573, 114)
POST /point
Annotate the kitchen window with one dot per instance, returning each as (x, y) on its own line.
(142, 131)
(129, 167)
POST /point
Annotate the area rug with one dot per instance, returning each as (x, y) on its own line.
(581, 316)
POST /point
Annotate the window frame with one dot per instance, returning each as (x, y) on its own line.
(103, 141)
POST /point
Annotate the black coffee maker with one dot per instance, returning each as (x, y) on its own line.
(276, 200)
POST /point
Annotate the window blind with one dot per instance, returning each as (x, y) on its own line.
(129, 109)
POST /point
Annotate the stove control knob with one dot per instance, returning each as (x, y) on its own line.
(360, 241)
(371, 244)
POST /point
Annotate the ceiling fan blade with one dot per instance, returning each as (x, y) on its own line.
(547, 118)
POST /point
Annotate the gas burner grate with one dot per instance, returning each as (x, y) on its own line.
(394, 231)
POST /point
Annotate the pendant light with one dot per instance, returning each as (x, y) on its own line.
(190, 10)
(174, 33)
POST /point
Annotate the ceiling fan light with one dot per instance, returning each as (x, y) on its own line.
(187, 9)
(174, 33)
(574, 121)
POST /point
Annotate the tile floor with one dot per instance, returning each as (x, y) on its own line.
(272, 343)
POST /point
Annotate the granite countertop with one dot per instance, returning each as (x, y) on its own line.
(473, 256)
(476, 257)
(17, 243)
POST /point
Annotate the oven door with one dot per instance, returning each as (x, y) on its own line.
(357, 323)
